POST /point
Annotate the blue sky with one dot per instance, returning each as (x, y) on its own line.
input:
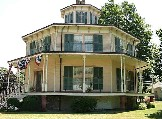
(20, 17)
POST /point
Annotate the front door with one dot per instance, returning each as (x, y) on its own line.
(38, 81)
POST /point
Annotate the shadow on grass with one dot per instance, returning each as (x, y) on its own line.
(157, 115)
(70, 112)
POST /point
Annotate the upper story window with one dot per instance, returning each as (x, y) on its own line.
(93, 19)
(41, 45)
(118, 45)
(81, 17)
(69, 18)
(130, 49)
(86, 43)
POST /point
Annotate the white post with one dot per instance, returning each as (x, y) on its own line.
(121, 74)
(111, 76)
(54, 76)
(46, 73)
(18, 73)
(140, 73)
(124, 76)
(84, 74)
(28, 86)
(44, 61)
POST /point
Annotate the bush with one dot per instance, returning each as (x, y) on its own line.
(13, 104)
(83, 104)
(150, 105)
(142, 106)
(31, 103)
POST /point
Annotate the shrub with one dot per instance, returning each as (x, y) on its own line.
(83, 104)
(13, 104)
(142, 106)
(31, 103)
(150, 105)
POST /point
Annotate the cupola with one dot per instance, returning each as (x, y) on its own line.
(80, 13)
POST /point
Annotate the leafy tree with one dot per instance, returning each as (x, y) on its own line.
(125, 17)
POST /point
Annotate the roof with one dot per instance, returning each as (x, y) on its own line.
(79, 5)
(157, 85)
(83, 25)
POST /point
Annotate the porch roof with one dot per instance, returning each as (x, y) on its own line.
(139, 64)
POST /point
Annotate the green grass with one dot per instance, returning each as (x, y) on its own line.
(137, 114)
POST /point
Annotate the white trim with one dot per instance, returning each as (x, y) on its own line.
(28, 86)
(54, 81)
(43, 73)
(121, 63)
(46, 79)
(124, 76)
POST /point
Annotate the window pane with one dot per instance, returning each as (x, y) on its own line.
(77, 43)
(89, 43)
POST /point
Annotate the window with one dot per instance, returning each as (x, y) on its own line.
(77, 44)
(69, 18)
(93, 19)
(46, 43)
(118, 79)
(130, 49)
(73, 78)
(130, 80)
(118, 45)
(89, 43)
(81, 17)
(32, 48)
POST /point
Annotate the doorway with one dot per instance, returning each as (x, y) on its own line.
(38, 81)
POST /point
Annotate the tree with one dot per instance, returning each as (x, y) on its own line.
(125, 17)
(159, 60)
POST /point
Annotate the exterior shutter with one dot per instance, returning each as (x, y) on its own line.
(71, 17)
(68, 42)
(77, 17)
(97, 43)
(118, 79)
(130, 49)
(98, 78)
(85, 17)
(66, 19)
(90, 18)
(68, 78)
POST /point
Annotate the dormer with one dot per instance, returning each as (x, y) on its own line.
(80, 13)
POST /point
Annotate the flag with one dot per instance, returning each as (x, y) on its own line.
(38, 59)
(22, 64)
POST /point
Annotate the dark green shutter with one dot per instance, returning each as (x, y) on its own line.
(68, 42)
(66, 19)
(68, 78)
(130, 49)
(85, 17)
(77, 17)
(98, 78)
(71, 17)
(90, 18)
(131, 74)
(117, 44)
(118, 79)
(97, 43)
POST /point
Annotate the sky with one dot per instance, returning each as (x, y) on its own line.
(20, 17)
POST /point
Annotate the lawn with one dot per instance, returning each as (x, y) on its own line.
(138, 114)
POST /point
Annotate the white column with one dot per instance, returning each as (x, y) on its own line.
(54, 77)
(18, 73)
(44, 61)
(121, 74)
(84, 57)
(111, 75)
(28, 85)
(46, 73)
(124, 77)
(140, 73)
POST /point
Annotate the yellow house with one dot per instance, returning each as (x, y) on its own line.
(81, 58)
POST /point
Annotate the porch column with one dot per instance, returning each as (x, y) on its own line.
(54, 76)
(46, 73)
(136, 81)
(121, 74)
(18, 76)
(84, 57)
(28, 86)
(124, 76)
(140, 76)
(44, 61)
